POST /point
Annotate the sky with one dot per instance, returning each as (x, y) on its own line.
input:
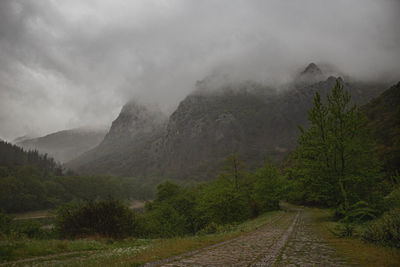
(67, 64)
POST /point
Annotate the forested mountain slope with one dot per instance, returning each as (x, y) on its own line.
(383, 113)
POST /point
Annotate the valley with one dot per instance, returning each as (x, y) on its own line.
(199, 133)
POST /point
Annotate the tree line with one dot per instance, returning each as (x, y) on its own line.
(233, 197)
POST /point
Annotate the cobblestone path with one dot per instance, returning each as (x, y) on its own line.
(241, 251)
(290, 240)
(306, 248)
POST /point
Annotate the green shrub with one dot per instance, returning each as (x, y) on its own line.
(171, 213)
(221, 203)
(163, 221)
(385, 230)
(358, 212)
(343, 230)
(28, 228)
(5, 223)
(393, 199)
(109, 218)
(267, 188)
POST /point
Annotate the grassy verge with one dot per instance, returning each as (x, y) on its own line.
(12, 249)
(129, 252)
(359, 252)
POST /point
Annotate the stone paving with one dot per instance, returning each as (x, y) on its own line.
(291, 240)
(243, 250)
(306, 248)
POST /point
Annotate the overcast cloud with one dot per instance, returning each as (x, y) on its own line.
(66, 64)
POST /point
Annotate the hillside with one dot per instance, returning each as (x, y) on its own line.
(12, 156)
(65, 145)
(383, 113)
(247, 118)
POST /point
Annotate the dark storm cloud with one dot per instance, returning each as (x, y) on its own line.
(69, 63)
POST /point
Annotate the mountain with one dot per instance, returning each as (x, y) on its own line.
(22, 138)
(383, 114)
(129, 147)
(65, 145)
(252, 120)
(311, 74)
(247, 118)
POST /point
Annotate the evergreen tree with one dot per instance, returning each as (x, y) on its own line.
(335, 164)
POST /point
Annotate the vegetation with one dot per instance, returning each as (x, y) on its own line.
(25, 188)
(334, 163)
(109, 218)
(359, 252)
(96, 250)
(384, 118)
(233, 197)
(12, 156)
(31, 181)
(177, 211)
(385, 230)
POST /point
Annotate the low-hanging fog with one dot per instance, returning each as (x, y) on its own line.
(66, 64)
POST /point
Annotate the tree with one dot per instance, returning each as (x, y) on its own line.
(335, 164)
(267, 187)
(232, 169)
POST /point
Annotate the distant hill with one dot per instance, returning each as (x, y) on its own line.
(65, 145)
(247, 118)
(12, 156)
(383, 113)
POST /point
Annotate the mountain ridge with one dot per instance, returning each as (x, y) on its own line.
(247, 118)
(66, 144)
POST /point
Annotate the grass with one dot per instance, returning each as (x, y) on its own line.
(354, 249)
(97, 251)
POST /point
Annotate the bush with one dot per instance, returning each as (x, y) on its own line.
(267, 188)
(393, 199)
(358, 212)
(385, 230)
(108, 218)
(163, 221)
(221, 203)
(343, 230)
(171, 213)
(5, 223)
(28, 228)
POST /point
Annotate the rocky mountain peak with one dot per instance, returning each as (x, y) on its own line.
(135, 118)
(310, 75)
(312, 69)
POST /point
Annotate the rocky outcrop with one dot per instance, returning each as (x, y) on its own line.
(129, 146)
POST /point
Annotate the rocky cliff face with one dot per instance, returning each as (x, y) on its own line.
(247, 118)
(128, 147)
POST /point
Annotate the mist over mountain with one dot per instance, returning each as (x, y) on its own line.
(64, 64)
(64, 145)
(130, 146)
(254, 120)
